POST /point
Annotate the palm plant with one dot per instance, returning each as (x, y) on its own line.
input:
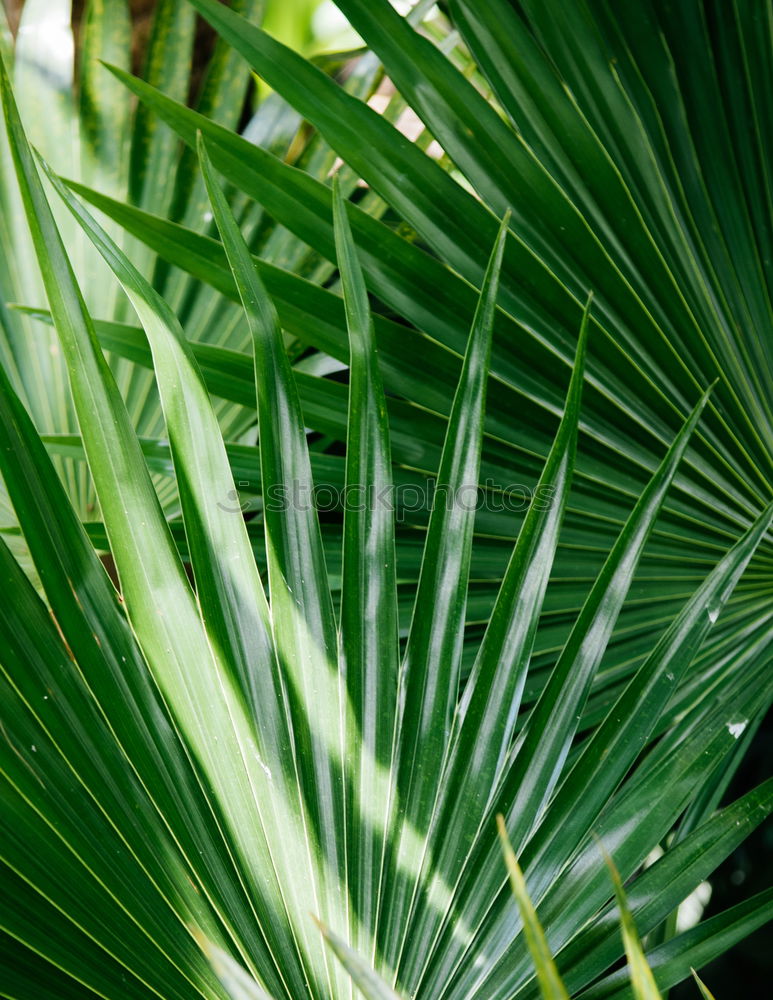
(675, 308)
(192, 767)
(87, 126)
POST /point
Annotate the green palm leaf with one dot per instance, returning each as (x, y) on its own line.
(549, 980)
(274, 711)
(642, 981)
(369, 624)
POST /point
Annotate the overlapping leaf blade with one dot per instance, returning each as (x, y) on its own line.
(611, 168)
(93, 623)
(301, 607)
(662, 886)
(488, 710)
(549, 980)
(435, 208)
(369, 612)
(367, 981)
(310, 201)
(57, 802)
(431, 669)
(642, 982)
(672, 962)
(158, 598)
(541, 754)
(635, 820)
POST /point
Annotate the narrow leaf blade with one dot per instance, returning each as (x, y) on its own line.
(547, 974)
(642, 980)
(369, 613)
(367, 981)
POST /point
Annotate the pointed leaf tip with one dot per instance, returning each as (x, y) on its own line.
(705, 991)
(550, 982)
(364, 977)
(236, 981)
(643, 982)
(578, 372)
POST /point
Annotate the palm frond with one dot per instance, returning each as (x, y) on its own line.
(277, 714)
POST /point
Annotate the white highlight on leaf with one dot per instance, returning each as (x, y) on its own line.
(736, 728)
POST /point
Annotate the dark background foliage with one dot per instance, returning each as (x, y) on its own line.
(748, 969)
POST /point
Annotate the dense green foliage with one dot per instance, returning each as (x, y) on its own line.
(556, 300)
